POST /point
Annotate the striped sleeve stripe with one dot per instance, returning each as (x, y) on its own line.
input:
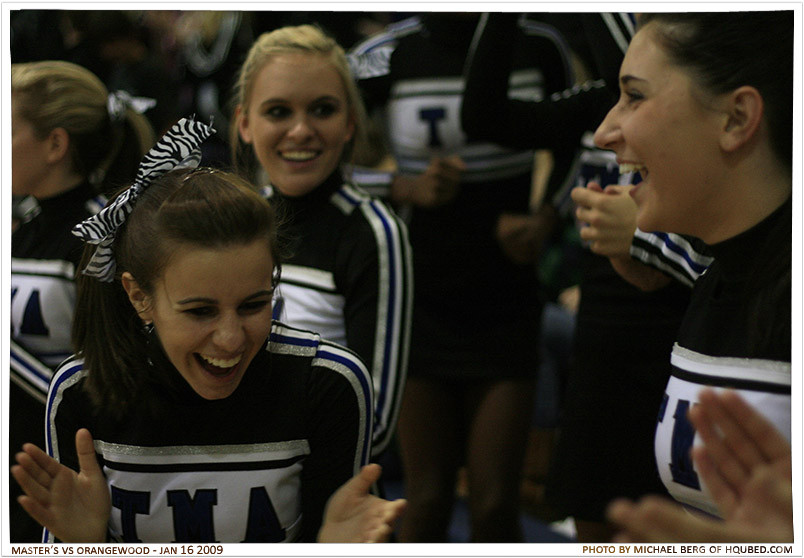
(285, 340)
(389, 34)
(70, 372)
(29, 373)
(377, 183)
(539, 29)
(621, 27)
(371, 58)
(670, 253)
(389, 362)
(347, 364)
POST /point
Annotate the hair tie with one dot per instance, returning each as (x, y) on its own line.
(118, 101)
(178, 148)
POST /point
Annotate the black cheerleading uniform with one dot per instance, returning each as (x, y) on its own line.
(736, 334)
(620, 365)
(44, 257)
(463, 280)
(623, 336)
(349, 278)
(257, 466)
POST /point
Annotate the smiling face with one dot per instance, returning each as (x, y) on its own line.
(660, 127)
(212, 312)
(297, 121)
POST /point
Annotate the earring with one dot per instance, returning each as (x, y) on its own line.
(148, 328)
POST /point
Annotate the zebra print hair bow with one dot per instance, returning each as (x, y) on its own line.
(178, 148)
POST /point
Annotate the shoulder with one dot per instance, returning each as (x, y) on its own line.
(354, 201)
(290, 340)
(65, 384)
(68, 373)
(324, 357)
(368, 217)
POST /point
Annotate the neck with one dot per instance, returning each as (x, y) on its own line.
(754, 192)
(56, 182)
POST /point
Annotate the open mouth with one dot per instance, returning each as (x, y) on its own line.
(299, 156)
(218, 367)
(634, 167)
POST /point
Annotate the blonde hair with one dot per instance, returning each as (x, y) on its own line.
(55, 94)
(305, 39)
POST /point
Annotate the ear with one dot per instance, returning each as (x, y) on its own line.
(58, 145)
(744, 108)
(241, 117)
(138, 297)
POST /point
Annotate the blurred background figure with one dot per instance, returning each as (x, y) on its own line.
(477, 304)
(71, 142)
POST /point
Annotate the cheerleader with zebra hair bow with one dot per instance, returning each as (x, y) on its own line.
(187, 414)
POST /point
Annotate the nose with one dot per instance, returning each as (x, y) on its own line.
(300, 129)
(608, 134)
(230, 334)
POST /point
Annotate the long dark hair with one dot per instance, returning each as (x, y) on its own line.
(203, 207)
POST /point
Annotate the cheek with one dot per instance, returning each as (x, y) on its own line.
(178, 337)
(260, 327)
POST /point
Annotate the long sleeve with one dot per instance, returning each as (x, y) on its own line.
(339, 409)
(487, 113)
(683, 258)
(375, 271)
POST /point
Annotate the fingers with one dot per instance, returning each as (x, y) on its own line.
(85, 449)
(618, 190)
(32, 486)
(454, 162)
(43, 460)
(447, 168)
(771, 443)
(734, 432)
(35, 472)
(655, 519)
(36, 510)
(728, 464)
(584, 196)
(723, 494)
(387, 515)
(32, 468)
(361, 483)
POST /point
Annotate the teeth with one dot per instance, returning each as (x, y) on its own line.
(631, 167)
(299, 155)
(222, 363)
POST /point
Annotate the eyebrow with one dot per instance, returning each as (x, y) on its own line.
(200, 299)
(626, 79)
(283, 100)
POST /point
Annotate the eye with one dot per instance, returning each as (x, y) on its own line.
(201, 311)
(254, 306)
(324, 109)
(632, 96)
(277, 112)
